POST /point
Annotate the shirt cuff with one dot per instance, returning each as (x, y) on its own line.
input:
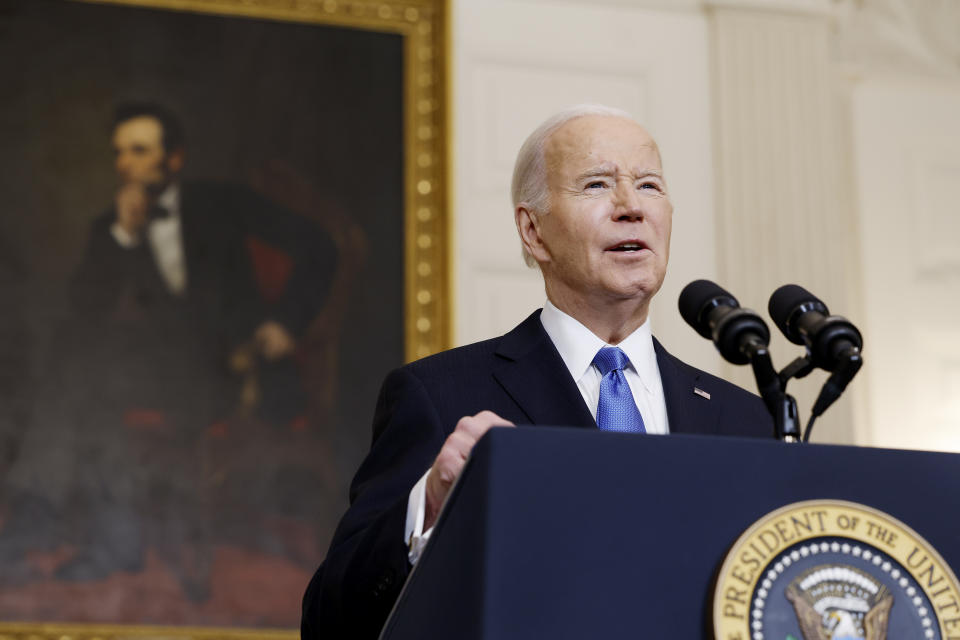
(123, 238)
(414, 535)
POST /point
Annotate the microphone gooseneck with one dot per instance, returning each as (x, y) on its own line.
(832, 342)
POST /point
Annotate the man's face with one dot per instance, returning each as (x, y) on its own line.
(139, 154)
(607, 234)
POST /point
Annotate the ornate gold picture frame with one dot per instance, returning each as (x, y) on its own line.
(227, 455)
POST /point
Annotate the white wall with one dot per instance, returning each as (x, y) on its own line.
(907, 135)
(903, 65)
(804, 141)
(515, 63)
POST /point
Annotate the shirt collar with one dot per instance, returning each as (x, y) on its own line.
(169, 199)
(578, 345)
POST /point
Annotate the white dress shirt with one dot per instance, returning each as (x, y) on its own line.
(166, 242)
(577, 346)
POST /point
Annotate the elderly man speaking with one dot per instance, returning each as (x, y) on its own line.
(593, 212)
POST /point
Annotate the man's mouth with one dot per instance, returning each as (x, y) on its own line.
(628, 246)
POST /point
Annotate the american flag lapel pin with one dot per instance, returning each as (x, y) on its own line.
(700, 392)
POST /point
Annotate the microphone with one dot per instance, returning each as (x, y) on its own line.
(832, 342)
(805, 320)
(716, 315)
(741, 336)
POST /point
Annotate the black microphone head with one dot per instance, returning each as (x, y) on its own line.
(697, 300)
(789, 302)
(733, 327)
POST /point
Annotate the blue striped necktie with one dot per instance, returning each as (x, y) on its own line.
(616, 410)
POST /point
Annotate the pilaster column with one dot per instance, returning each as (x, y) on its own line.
(782, 153)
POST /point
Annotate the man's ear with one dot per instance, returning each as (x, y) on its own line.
(175, 160)
(528, 226)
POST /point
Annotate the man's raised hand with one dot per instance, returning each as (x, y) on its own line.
(449, 462)
(131, 204)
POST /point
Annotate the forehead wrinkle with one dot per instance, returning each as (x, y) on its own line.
(563, 147)
(611, 167)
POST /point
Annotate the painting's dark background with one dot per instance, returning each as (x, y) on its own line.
(323, 105)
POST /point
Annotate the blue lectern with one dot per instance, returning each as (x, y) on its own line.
(569, 533)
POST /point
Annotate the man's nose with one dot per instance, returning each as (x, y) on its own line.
(627, 203)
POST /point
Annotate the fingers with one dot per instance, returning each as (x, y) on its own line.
(131, 205)
(469, 429)
(273, 340)
(480, 423)
(451, 459)
(453, 456)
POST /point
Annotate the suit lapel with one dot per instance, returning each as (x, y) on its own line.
(203, 244)
(530, 370)
(687, 411)
(188, 232)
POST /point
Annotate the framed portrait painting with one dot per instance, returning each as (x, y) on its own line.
(223, 222)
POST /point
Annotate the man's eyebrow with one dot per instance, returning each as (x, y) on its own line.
(611, 169)
(601, 170)
(643, 173)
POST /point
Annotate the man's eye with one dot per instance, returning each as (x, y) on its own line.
(596, 184)
(650, 185)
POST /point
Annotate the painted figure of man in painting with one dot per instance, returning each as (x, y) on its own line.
(172, 257)
(166, 300)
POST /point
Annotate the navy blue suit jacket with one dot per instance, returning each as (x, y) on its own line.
(520, 377)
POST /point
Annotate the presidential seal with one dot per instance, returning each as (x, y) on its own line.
(834, 570)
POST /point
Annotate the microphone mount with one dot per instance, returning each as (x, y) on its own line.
(741, 337)
(832, 343)
(773, 390)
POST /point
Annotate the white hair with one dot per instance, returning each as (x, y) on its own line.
(530, 171)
